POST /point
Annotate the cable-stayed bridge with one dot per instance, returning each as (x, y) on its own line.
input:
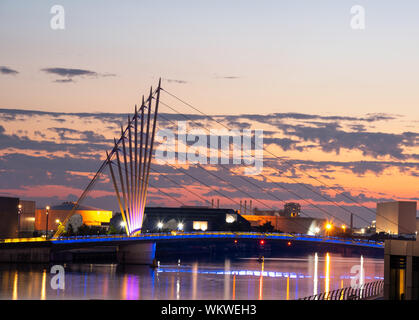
(129, 164)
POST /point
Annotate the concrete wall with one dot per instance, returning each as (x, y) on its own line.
(397, 217)
(137, 253)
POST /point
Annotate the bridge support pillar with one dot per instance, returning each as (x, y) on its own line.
(137, 253)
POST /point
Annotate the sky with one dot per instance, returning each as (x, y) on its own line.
(339, 104)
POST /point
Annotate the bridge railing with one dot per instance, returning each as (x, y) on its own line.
(365, 291)
(256, 235)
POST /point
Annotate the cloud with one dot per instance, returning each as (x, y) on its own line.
(7, 70)
(228, 77)
(70, 73)
(175, 81)
(64, 80)
(71, 156)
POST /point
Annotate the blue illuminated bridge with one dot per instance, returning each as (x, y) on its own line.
(223, 235)
(145, 248)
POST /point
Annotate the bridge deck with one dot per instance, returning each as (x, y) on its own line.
(199, 235)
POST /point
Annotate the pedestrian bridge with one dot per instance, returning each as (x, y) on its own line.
(156, 237)
(142, 248)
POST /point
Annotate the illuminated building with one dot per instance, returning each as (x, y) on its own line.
(59, 213)
(302, 225)
(193, 219)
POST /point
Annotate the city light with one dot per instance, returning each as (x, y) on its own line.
(57, 221)
(180, 226)
(328, 226)
(122, 224)
(289, 243)
(316, 230)
(343, 227)
(262, 242)
(160, 225)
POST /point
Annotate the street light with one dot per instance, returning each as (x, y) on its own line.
(46, 224)
(160, 225)
(343, 228)
(19, 212)
(328, 228)
(180, 226)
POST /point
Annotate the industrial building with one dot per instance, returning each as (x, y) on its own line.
(17, 217)
(287, 219)
(398, 217)
(193, 219)
(302, 225)
(59, 213)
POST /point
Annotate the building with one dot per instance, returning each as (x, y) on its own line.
(9, 217)
(59, 213)
(259, 212)
(401, 270)
(193, 219)
(397, 217)
(17, 217)
(292, 209)
(302, 225)
(27, 218)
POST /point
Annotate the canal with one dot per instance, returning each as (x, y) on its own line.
(284, 278)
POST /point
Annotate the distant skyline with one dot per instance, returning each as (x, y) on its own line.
(340, 104)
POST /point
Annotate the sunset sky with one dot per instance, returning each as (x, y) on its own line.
(337, 104)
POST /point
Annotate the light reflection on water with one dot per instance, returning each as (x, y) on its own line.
(273, 278)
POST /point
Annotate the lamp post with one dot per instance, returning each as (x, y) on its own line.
(46, 224)
(19, 212)
(328, 228)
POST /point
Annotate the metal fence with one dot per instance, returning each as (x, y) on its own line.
(367, 290)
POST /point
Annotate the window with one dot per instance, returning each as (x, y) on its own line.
(397, 277)
(200, 225)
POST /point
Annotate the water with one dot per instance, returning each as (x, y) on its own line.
(274, 278)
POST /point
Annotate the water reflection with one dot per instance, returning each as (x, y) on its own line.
(270, 278)
(315, 277)
(327, 277)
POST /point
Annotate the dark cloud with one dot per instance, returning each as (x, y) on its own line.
(331, 138)
(70, 73)
(25, 170)
(7, 70)
(24, 143)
